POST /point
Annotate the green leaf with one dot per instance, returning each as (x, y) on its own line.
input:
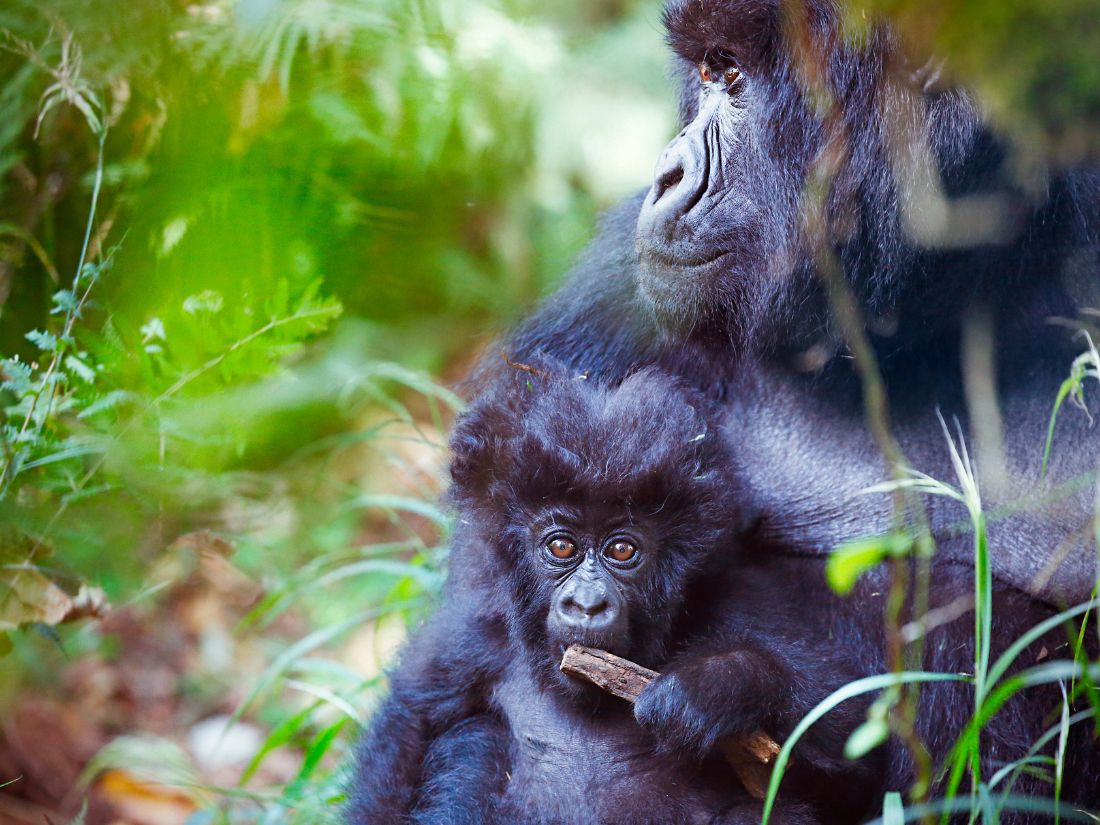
(852, 559)
(149, 757)
(1004, 662)
(407, 504)
(110, 401)
(283, 734)
(893, 811)
(43, 340)
(208, 301)
(865, 739)
(842, 694)
(78, 367)
(63, 301)
(17, 375)
(320, 747)
(153, 330)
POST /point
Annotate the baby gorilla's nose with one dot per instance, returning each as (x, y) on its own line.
(587, 608)
(585, 603)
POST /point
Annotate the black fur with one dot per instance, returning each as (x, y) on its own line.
(753, 326)
(480, 725)
(551, 446)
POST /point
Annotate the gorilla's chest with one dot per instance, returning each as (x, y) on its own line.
(575, 767)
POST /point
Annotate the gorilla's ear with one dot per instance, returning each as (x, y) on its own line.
(489, 437)
(479, 450)
(484, 441)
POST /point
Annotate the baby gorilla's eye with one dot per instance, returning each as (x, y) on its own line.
(731, 75)
(705, 73)
(621, 551)
(561, 548)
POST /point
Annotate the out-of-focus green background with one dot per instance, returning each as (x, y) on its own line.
(310, 217)
(245, 249)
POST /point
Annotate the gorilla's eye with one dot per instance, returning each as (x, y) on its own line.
(732, 74)
(561, 548)
(705, 73)
(621, 551)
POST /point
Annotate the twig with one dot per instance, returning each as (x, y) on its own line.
(751, 756)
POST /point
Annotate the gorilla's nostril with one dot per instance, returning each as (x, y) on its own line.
(593, 608)
(585, 606)
(667, 181)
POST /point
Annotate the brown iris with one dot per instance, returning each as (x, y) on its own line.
(622, 551)
(704, 73)
(561, 548)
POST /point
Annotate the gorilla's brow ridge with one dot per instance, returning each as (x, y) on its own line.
(731, 31)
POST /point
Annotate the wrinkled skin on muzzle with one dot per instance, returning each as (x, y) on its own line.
(718, 231)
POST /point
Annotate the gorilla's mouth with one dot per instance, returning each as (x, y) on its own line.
(603, 641)
(610, 641)
(663, 277)
(679, 291)
(655, 255)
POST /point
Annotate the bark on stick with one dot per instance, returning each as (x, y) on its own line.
(750, 756)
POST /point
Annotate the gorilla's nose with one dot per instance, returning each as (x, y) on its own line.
(680, 180)
(669, 174)
(587, 606)
(586, 601)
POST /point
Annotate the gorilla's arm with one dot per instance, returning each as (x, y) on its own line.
(763, 660)
(708, 695)
(766, 659)
(440, 684)
(773, 655)
(388, 764)
(464, 771)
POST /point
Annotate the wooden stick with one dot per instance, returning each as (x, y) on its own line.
(750, 756)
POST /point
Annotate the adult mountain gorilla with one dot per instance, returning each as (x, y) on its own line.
(822, 195)
(812, 165)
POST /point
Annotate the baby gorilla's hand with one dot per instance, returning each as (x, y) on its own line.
(698, 701)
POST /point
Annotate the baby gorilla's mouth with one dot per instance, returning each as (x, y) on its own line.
(601, 641)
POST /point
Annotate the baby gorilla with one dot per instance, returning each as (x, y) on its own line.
(605, 517)
(600, 507)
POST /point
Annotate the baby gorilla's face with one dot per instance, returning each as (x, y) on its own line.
(600, 504)
(595, 575)
(598, 575)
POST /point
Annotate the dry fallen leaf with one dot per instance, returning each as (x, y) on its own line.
(29, 597)
(142, 802)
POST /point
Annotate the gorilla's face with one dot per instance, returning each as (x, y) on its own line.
(718, 232)
(594, 578)
(598, 575)
(703, 240)
(600, 504)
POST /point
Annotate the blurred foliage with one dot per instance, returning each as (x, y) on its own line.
(235, 239)
(265, 165)
(1033, 65)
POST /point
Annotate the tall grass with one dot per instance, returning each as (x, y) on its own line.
(990, 788)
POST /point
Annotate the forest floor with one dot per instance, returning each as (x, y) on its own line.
(49, 737)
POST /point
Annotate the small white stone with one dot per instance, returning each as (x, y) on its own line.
(216, 744)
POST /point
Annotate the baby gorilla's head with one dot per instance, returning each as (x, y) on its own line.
(600, 504)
